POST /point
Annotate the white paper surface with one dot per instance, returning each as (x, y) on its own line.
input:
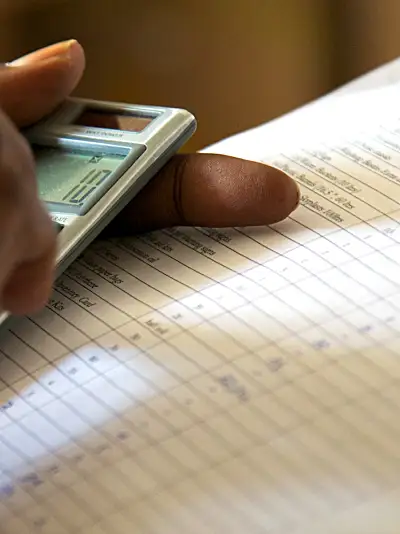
(244, 380)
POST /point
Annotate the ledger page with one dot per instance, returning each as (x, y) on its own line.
(205, 380)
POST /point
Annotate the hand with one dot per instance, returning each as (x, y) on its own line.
(29, 89)
(193, 189)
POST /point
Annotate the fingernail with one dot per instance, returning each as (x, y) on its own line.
(63, 49)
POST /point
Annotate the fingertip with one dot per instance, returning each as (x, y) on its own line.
(77, 61)
(23, 300)
(42, 54)
(31, 89)
(30, 286)
(58, 76)
(282, 194)
(68, 55)
(219, 190)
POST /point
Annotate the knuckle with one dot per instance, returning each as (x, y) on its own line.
(179, 171)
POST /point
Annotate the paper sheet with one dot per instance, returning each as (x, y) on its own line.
(244, 380)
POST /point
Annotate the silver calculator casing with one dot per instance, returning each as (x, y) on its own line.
(168, 130)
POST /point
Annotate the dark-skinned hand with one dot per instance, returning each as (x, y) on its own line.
(192, 190)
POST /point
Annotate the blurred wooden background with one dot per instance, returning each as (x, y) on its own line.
(234, 63)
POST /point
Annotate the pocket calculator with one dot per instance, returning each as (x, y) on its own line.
(93, 157)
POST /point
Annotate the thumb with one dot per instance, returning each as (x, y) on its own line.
(33, 86)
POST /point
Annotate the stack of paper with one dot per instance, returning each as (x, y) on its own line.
(226, 381)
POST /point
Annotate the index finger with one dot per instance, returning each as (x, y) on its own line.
(211, 190)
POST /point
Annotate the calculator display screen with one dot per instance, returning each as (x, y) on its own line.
(69, 178)
(115, 121)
